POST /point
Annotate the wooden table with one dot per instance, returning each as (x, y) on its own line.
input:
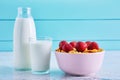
(110, 69)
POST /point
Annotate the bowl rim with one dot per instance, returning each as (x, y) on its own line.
(102, 52)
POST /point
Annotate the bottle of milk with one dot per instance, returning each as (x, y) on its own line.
(24, 28)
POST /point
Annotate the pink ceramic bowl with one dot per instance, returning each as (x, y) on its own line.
(80, 64)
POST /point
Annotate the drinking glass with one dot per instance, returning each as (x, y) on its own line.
(40, 51)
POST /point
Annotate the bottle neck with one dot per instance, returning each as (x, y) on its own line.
(24, 13)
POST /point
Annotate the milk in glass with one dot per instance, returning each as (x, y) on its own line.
(40, 55)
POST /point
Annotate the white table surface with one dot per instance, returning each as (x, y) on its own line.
(110, 69)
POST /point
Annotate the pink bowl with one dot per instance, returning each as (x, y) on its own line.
(80, 64)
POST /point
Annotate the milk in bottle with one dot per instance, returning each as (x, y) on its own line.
(24, 28)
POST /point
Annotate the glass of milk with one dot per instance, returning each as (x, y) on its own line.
(40, 50)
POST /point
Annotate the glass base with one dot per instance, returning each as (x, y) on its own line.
(40, 72)
(23, 69)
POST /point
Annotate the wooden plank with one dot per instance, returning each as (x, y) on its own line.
(6, 30)
(69, 30)
(79, 30)
(106, 45)
(6, 45)
(63, 9)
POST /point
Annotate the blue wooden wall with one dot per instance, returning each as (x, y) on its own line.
(96, 20)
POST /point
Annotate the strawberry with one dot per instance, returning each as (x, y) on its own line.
(73, 43)
(81, 46)
(67, 47)
(61, 44)
(88, 43)
(93, 45)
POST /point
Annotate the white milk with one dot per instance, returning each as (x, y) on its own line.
(40, 55)
(24, 28)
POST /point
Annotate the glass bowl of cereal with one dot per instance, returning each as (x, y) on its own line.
(79, 58)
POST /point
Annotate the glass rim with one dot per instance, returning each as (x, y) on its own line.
(41, 38)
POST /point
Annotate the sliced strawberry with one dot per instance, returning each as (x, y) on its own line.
(73, 43)
(67, 47)
(61, 44)
(81, 46)
(93, 45)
